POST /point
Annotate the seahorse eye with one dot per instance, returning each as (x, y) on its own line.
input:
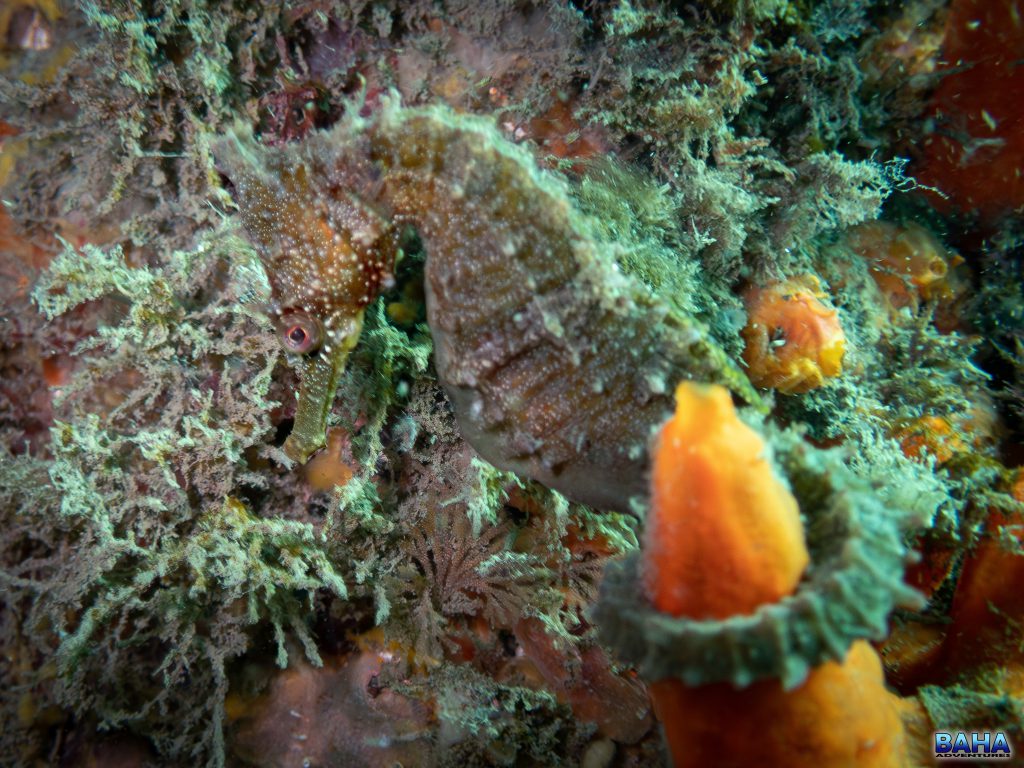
(300, 332)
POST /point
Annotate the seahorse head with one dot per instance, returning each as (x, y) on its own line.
(327, 255)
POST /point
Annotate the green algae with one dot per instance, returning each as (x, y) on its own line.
(170, 537)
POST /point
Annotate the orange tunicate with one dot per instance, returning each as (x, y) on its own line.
(794, 341)
(724, 534)
(724, 537)
(908, 263)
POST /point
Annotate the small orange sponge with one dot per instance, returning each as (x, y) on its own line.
(793, 338)
(724, 534)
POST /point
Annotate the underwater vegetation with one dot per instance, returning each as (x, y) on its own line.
(509, 384)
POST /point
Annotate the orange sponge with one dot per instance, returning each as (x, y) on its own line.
(842, 716)
(724, 537)
(724, 534)
(794, 341)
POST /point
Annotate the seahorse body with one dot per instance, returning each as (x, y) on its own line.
(558, 366)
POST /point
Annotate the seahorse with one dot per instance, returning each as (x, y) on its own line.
(559, 366)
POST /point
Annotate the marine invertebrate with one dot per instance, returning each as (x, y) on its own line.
(466, 575)
(794, 340)
(907, 262)
(930, 436)
(557, 363)
(842, 715)
(697, 498)
(742, 552)
(853, 583)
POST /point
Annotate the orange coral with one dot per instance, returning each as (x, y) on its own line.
(724, 536)
(793, 339)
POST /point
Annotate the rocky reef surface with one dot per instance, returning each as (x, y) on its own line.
(509, 383)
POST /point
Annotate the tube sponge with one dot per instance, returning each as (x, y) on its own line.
(724, 539)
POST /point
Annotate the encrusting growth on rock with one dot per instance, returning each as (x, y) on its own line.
(556, 362)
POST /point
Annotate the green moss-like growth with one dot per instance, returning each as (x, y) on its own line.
(174, 575)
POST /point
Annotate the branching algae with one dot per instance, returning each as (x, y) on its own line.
(558, 365)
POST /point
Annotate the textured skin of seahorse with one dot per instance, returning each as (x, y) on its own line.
(559, 366)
